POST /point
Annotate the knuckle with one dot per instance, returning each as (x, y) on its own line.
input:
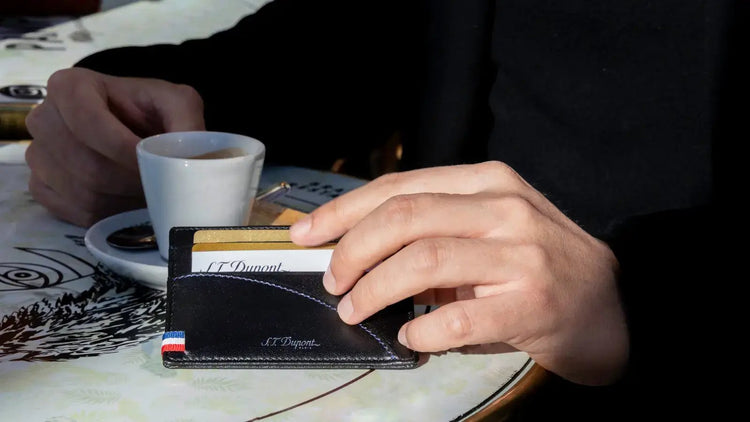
(364, 294)
(515, 209)
(457, 323)
(344, 260)
(428, 255)
(536, 257)
(499, 170)
(188, 94)
(400, 210)
(341, 256)
(67, 81)
(417, 338)
(338, 210)
(519, 210)
(59, 80)
(389, 180)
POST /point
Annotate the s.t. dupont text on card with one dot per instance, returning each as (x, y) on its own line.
(273, 260)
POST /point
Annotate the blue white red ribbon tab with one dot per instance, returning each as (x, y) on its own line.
(173, 341)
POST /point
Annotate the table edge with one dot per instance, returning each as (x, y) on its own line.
(533, 378)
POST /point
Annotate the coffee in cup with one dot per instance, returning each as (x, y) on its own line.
(198, 178)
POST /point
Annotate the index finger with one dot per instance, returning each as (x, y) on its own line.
(334, 218)
(86, 113)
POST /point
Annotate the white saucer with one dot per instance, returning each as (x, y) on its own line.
(146, 267)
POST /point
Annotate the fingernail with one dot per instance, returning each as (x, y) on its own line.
(301, 227)
(345, 308)
(329, 282)
(402, 336)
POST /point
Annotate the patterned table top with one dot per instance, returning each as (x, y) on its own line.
(78, 342)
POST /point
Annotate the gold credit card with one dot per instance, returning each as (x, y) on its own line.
(240, 235)
(255, 250)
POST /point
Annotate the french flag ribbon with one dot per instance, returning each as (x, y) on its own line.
(173, 341)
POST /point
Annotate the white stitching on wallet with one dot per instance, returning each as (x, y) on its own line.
(287, 289)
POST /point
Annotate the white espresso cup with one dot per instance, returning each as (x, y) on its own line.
(199, 178)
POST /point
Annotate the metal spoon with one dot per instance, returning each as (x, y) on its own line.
(142, 236)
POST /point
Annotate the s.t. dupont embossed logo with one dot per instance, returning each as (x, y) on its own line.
(288, 341)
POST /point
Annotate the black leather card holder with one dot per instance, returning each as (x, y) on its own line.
(269, 320)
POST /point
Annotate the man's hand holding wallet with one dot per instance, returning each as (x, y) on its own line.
(247, 297)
